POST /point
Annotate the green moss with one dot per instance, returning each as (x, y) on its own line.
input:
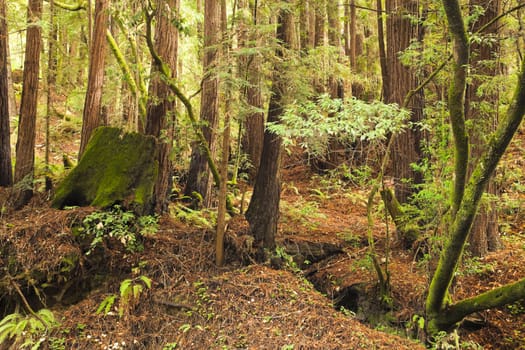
(116, 167)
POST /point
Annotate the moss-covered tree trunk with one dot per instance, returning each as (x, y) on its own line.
(440, 314)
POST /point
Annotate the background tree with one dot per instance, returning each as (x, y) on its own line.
(6, 171)
(250, 71)
(199, 177)
(97, 54)
(482, 99)
(263, 211)
(25, 145)
(402, 27)
(161, 106)
(51, 88)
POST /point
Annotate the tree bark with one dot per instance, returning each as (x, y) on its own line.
(199, 177)
(484, 235)
(51, 82)
(401, 79)
(263, 211)
(25, 145)
(6, 171)
(93, 101)
(249, 67)
(161, 108)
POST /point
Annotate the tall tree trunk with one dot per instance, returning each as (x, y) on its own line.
(13, 110)
(161, 108)
(406, 150)
(25, 145)
(6, 171)
(199, 177)
(484, 235)
(51, 82)
(249, 68)
(93, 101)
(304, 24)
(335, 84)
(263, 211)
(385, 90)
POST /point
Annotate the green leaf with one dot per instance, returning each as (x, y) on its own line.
(124, 287)
(146, 280)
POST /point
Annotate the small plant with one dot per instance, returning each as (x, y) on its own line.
(129, 295)
(200, 218)
(302, 212)
(27, 332)
(121, 225)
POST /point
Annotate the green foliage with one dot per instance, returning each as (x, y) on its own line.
(130, 291)
(314, 123)
(202, 218)
(27, 332)
(118, 224)
(473, 265)
(301, 212)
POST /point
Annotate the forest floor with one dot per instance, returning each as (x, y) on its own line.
(192, 304)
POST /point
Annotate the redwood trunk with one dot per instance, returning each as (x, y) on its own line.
(25, 145)
(92, 103)
(401, 79)
(484, 235)
(199, 177)
(263, 211)
(6, 172)
(161, 109)
(249, 66)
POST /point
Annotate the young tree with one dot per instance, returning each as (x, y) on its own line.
(6, 172)
(25, 145)
(199, 177)
(263, 211)
(92, 103)
(441, 314)
(161, 106)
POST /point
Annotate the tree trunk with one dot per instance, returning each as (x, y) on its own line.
(304, 25)
(484, 235)
(92, 103)
(199, 177)
(385, 90)
(6, 171)
(466, 202)
(13, 110)
(161, 108)
(406, 146)
(25, 145)
(263, 211)
(51, 82)
(249, 67)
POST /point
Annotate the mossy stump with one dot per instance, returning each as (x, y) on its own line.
(116, 168)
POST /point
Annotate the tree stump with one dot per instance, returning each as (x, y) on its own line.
(116, 168)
